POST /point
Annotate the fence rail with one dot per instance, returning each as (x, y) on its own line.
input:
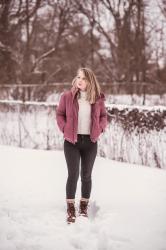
(39, 92)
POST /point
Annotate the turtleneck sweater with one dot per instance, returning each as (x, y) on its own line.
(84, 114)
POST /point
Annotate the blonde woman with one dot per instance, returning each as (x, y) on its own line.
(81, 117)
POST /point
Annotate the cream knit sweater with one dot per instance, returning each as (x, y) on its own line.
(84, 114)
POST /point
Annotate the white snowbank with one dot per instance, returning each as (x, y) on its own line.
(127, 209)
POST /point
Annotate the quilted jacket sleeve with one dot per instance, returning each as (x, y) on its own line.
(61, 113)
(103, 116)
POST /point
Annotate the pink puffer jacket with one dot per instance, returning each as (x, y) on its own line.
(67, 116)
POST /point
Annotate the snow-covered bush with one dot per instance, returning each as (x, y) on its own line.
(140, 120)
(135, 134)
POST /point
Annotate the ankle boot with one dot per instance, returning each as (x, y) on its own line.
(83, 208)
(71, 215)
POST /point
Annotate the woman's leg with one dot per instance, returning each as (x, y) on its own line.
(88, 155)
(72, 156)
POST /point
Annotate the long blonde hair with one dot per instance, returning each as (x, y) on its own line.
(93, 87)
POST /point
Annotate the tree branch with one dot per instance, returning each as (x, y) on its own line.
(46, 54)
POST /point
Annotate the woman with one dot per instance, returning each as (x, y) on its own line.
(81, 116)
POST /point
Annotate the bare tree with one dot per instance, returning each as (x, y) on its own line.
(6, 54)
(125, 34)
(58, 20)
(162, 6)
(13, 16)
(47, 40)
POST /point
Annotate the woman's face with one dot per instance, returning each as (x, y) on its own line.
(81, 81)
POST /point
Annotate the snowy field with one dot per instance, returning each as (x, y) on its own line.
(127, 208)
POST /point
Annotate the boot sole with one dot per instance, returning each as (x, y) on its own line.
(70, 222)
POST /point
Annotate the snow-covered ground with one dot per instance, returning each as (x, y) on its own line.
(127, 208)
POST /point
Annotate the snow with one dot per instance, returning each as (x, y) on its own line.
(139, 107)
(127, 208)
(134, 99)
(108, 105)
(28, 102)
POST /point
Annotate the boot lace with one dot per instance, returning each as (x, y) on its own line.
(83, 207)
(71, 210)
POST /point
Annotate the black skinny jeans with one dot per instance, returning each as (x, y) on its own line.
(85, 150)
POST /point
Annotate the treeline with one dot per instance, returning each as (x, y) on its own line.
(45, 41)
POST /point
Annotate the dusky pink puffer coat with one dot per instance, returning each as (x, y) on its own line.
(67, 116)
